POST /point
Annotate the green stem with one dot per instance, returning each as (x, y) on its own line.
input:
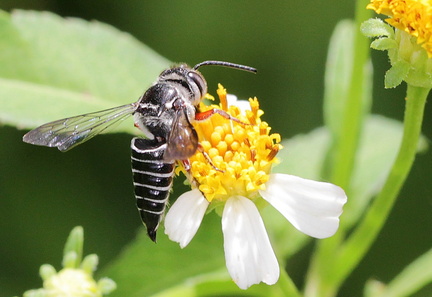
(364, 235)
(318, 277)
(362, 238)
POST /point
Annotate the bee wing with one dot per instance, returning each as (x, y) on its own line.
(70, 132)
(183, 139)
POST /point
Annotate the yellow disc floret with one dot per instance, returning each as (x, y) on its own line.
(236, 154)
(411, 16)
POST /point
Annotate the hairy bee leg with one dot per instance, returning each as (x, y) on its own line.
(187, 166)
(207, 157)
(202, 116)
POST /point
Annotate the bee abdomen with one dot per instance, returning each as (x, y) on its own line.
(152, 181)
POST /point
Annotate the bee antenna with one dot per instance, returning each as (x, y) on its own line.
(226, 64)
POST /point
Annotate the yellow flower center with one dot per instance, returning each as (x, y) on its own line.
(236, 156)
(411, 16)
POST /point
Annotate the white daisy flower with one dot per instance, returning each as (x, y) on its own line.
(237, 177)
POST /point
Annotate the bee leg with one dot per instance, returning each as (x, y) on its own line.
(207, 157)
(187, 167)
(202, 116)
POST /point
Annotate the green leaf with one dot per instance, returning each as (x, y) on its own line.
(219, 283)
(347, 99)
(145, 268)
(383, 44)
(396, 74)
(410, 280)
(51, 68)
(376, 28)
(164, 269)
(303, 155)
(414, 277)
(338, 74)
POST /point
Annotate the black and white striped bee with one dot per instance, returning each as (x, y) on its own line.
(164, 114)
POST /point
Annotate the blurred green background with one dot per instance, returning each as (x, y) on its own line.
(45, 193)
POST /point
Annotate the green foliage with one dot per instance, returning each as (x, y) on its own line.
(165, 270)
(145, 268)
(414, 277)
(76, 277)
(347, 99)
(376, 28)
(53, 68)
(396, 74)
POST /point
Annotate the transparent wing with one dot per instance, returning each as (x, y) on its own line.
(70, 132)
(183, 139)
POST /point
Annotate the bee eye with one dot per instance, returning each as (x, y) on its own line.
(178, 104)
(199, 81)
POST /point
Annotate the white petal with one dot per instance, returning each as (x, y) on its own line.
(248, 253)
(312, 207)
(243, 105)
(185, 216)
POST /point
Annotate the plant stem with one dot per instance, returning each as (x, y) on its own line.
(364, 235)
(317, 278)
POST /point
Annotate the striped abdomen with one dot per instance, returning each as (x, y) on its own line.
(152, 181)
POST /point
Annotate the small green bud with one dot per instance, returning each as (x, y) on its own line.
(46, 271)
(89, 264)
(106, 285)
(409, 60)
(76, 277)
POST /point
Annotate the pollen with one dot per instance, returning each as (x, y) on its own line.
(236, 154)
(411, 16)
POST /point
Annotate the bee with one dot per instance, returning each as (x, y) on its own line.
(164, 113)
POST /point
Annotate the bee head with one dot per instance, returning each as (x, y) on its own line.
(190, 79)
